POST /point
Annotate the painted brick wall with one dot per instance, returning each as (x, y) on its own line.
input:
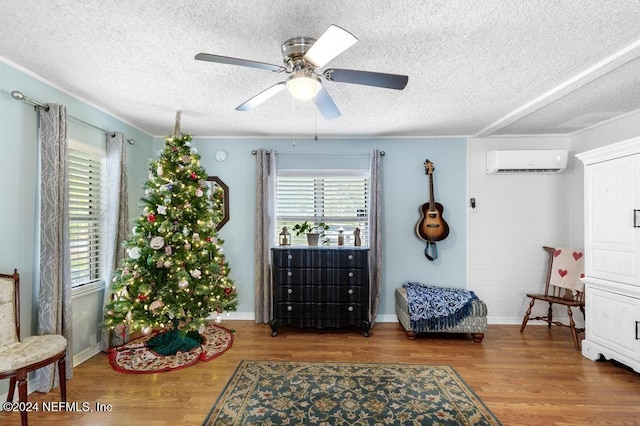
(515, 216)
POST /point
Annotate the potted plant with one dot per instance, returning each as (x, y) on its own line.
(314, 232)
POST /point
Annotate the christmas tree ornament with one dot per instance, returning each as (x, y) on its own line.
(157, 243)
(183, 284)
(135, 253)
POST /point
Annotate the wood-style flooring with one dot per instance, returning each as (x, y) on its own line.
(535, 378)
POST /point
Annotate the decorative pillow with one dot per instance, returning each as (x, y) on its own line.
(567, 269)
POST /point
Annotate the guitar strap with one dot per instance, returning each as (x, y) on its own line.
(434, 251)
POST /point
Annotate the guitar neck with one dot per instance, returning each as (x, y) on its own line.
(432, 203)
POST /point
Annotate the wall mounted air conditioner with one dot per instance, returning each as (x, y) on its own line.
(527, 161)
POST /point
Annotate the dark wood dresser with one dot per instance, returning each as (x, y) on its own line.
(320, 287)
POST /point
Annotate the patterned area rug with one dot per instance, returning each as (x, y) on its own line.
(276, 393)
(136, 358)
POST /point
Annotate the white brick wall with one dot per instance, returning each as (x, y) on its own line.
(515, 216)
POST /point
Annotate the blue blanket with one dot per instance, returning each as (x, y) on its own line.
(437, 308)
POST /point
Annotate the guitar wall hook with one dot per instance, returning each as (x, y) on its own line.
(431, 227)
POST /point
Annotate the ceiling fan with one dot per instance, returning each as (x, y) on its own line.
(303, 57)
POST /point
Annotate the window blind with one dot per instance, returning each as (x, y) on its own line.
(337, 199)
(86, 206)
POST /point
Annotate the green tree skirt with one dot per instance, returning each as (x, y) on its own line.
(172, 341)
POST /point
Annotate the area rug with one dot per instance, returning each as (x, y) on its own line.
(303, 393)
(136, 358)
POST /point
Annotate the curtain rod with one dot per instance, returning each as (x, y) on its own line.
(255, 151)
(18, 95)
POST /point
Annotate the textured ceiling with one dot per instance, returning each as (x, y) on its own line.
(475, 68)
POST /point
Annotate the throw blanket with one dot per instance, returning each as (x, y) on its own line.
(437, 308)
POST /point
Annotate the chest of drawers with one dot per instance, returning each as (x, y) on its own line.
(320, 287)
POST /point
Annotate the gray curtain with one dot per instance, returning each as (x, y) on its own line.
(266, 174)
(54, 298)
(117, 218)
(375, 232)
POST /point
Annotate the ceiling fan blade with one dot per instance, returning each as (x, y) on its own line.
(261, 97)
(325, 104)
(331, 43)
(237, 61)
(367, 78)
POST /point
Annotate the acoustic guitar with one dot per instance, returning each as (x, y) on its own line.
(432, 226)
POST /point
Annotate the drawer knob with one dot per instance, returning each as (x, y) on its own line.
(289, 291)
(350, 274)
(289, 257)
(350, 291)
(350, 309)
(289, 273)
(289, 308)
(350, 257)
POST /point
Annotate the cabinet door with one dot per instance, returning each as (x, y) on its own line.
(612, 192)
(612, 321)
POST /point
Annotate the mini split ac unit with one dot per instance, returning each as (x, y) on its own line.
(527, 161)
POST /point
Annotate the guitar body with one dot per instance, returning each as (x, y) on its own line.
(432, 226)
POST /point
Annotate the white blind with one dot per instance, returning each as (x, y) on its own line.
(86, 206)
(338, 199)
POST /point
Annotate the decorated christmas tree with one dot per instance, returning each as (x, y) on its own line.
(175, 275)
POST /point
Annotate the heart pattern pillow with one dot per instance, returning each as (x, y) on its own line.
(567, 268)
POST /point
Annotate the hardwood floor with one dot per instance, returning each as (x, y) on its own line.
(535, 378)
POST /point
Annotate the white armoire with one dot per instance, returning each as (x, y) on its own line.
(612, 252)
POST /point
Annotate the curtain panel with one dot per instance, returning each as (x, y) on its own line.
(117, 219)
(375, 233)
(54, 297)
(266, 175)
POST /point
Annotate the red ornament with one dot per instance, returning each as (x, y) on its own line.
(151, 217)
(228, 290)
(194, 176)
(142, 297)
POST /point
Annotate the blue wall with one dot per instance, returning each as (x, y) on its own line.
(19, 169)
(405, 189)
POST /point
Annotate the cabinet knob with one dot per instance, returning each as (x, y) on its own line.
(289, 273)
(289, 308)
(289, 291)
(350, 274)
(289, 257)
(350, 291)
(350, 257)
(350, 309)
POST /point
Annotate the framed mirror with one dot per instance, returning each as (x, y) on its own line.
(219, 193)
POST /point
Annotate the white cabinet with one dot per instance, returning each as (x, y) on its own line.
(612, 252)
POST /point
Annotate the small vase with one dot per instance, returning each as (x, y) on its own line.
(312, 239)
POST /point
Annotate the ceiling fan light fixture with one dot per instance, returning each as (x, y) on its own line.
(303, 85)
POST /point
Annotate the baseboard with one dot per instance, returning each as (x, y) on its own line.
(498, 320)
(84, 355)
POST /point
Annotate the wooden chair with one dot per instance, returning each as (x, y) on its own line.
(18, 356)
(565, 269)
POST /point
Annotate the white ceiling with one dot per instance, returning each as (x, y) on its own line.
(476, 68)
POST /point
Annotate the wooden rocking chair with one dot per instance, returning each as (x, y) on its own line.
(565, 269)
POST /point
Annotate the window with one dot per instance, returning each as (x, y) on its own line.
(339, 198)
(86, 211)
